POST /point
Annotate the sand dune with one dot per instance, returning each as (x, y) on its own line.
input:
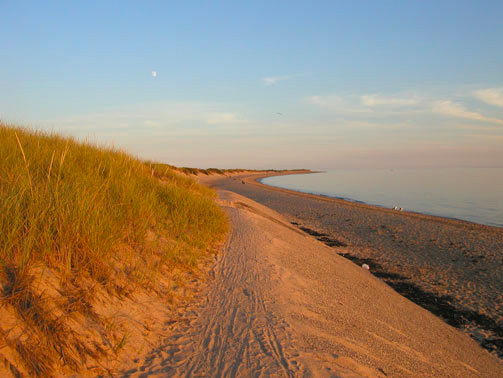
(280, 303)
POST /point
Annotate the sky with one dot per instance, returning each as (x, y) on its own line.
(262, 84)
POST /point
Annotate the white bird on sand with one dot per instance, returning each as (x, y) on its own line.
(395, 208)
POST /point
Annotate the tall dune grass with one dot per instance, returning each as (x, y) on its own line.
(73, 205)
(96, 213)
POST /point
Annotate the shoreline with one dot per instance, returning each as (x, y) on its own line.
(349, 202)
(279, 303)
(450, 267)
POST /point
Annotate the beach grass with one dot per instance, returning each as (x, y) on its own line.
(92, 215)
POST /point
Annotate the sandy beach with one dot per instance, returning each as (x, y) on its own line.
(281, 303)
(452, 268)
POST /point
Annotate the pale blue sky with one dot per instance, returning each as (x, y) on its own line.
(281, 84)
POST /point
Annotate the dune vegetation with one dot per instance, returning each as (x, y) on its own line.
(80, 222)
(160, 167)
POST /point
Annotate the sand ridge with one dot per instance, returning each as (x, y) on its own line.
(283, 304)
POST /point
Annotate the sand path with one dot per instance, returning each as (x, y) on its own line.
(283, 304)
(232, 332)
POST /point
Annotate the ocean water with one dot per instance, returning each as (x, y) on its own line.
(472, 194)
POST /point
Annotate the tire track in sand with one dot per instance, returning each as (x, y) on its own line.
(234, 332)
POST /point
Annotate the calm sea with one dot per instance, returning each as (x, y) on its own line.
(472, 194)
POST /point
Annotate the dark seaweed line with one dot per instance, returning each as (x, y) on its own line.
(440, 306)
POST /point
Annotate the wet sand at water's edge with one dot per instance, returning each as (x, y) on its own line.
(452, 268)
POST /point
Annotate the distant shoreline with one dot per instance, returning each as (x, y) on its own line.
(349, 202)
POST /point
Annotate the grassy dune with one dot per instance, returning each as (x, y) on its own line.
(98, 221)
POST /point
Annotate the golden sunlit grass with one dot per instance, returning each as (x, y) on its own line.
(159, 167)
(98, 219)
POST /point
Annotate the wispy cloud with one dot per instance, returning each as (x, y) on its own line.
(341, 104)
(380, 100)
(222, 118)
(333, 101)
(453, 109)
(491, 96)
(151, 123)
(163, 115)
(406, 105)
(272, 80)
(367, 103)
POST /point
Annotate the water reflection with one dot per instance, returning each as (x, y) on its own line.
(473, 194)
